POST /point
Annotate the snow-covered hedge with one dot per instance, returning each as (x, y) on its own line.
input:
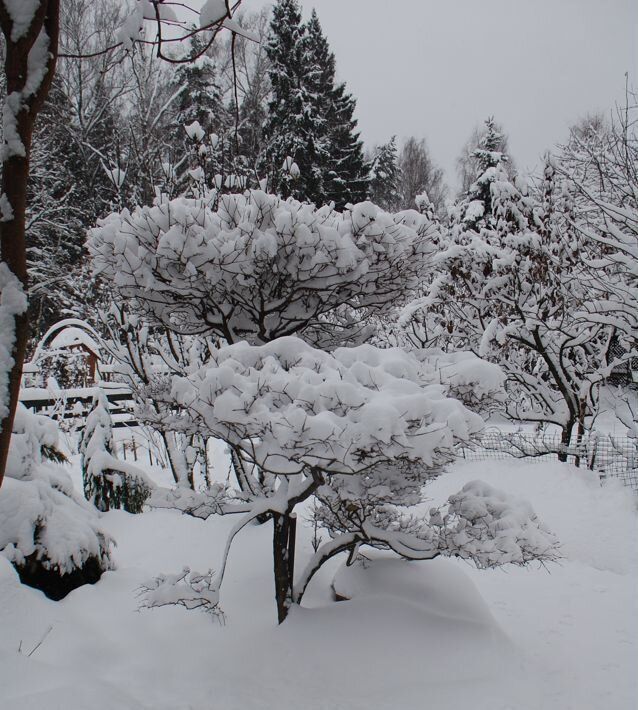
(51, 535)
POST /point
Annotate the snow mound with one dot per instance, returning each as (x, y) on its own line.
(428, 618)
(435, 587)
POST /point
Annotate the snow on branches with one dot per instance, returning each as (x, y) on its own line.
(189, 589)
(292, 408)
(258, 268)
(512, 291)
(13, 302)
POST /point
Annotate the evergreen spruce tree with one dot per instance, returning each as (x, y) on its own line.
(108, 483)
(293, 128)
(476, 209)
(201, 96)
(345, 172)
(384, 177)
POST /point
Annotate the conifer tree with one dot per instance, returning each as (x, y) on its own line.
(384, 176)
(201, 95)
(345, 172)
(293, 128)
(475, 209)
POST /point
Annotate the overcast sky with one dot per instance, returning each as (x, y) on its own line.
(435, 68)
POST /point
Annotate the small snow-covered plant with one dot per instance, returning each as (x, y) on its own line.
(491, 528)
(108, 482)
(50, 534)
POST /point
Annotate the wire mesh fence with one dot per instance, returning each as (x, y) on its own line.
(609, 455)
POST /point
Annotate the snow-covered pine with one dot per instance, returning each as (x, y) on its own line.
(474, 210)
(51, 535)
(472, 163)
(108, 482)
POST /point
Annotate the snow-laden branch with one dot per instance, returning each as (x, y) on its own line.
(188, 588)
(258, 268)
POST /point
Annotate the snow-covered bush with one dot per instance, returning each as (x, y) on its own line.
(108, 482)
(50, 534)
(259, 268)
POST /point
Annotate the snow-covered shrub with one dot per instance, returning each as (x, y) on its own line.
(258, 267)
(108, 482)
(491, 528)
(50, 534)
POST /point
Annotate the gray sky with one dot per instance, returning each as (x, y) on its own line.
(435, 68)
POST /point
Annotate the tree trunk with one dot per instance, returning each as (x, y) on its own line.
(284, 536)
(580, 432)
(182, 472)
(15, 171)
(565, 439)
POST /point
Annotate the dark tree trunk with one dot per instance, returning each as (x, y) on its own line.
(15, 174)
(565, 440)
(284, 536)
(580, 432)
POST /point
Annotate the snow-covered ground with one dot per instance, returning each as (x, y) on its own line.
(436, 634)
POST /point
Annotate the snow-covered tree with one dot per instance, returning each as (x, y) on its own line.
(600, 165)
(293, 129)
(259, 268)
(475, 209)
(385, 176)
(109, 483)
(514, 292)
(490, 135)
(363, 430)
(360, 427)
